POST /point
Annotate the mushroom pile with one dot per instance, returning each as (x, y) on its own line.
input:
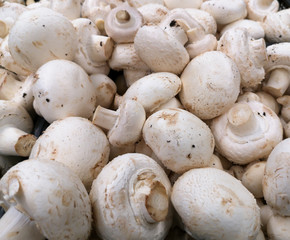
(151, 119)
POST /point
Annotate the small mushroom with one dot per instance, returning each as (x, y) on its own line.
(75, 94)
(247, 53)
(48, 194)
(41, 35)
(131, 199)
(216, 162)
(212, 203)
(275, 180)
(258, 10)
(85, 154)
(278, 228)
(15, 126)
(179, 139)
(218, 81)
(122, 23)
(124, 125)
(251, 129)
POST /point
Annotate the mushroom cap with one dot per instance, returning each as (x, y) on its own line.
(171, 4)
(247, 53)
(40, 35)
(179, 139)
(212, 204)
(69, 8)
(160, 51)
(278, 228)
(14, 115)
(259, 9)
(85, 154)
(116, 198)
(218, 81)
(62, 89)
(52, 195)
(154, 89)
(153, 13)
(255, 144)
(276, 179)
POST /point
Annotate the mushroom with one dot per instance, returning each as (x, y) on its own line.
(252, 178)
(258, 10)
(48, 194)
(153, 13)
(236, 171)
(275, 180)
(75, 94)
(179, 139)
(124, 125)
(218, 81)
(41, 35)
(93, 49)
(285, 111)
(171, 4)
(153, 90)
(247, 53)
(69, 8)
(85, 154)
(278, 228)
(9, 84)
(215, 162)
(277, 69)
(140, 3)
(224, 11)
(131, 199)
(172, 103)
(276, 26)
(15, 126)
(212, 203)
(122, 23)
(266, 214)
(251, 129)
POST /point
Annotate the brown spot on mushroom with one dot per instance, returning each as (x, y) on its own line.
(37, 44)
(170, 118)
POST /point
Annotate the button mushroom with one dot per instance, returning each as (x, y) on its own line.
(259, 9)
(48, 194)
(130, 199)
(213, 204)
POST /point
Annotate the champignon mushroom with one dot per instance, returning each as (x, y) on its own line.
(130, 199)
(212, 203)
(153, 13)
(278, 228)
(75, 94)
(69, 8)
(171, 4)
(48, 194)
(124, 125)
(179, 139)
(275, 180)
(85, 154)
(15, 126)
(40, 35)
(218, 81)
(247, 53)
(285, 111)
(258, 10)
(9, 84)
(251, 129)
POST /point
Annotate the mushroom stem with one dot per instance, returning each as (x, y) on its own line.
(258, 51)
(17, 226)
(101, 48)
(123, 16)
(15, 142)
(278, 82)
(242, 120)
(105, 118)
(8, 84)
(3, 29)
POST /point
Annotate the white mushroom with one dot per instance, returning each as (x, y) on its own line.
(251, 130)
(218, 81)
(153, 13)
(258, 10)
(179, 139)
(275, 181)
(130, 199)
(9, 84)
(69, 8)
(215, 162)
(285, 111)
(48, 194)
(171, 4)
(278, 228)
(85, 154)
(247, 53)
(266, 213)
(236, 171)
(41, 35)
(140, 3)
(212, 204)
(15, 126)
(75, 94)
(124, 125)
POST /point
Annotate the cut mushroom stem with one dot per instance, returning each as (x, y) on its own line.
(105, 118)
(123, 16)
(101, 48)
(278, 82)
(15, 141)
(17, 226)
(242, 120)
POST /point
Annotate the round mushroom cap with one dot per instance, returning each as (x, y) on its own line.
(40, 35)
(259, 9)
(247, 132)
(210, 85)
(278, 228)
(62, 89)
(121, 199)
(212, 203)
(179, 139)
(78, 144)
(52, 195)
(276, 179)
